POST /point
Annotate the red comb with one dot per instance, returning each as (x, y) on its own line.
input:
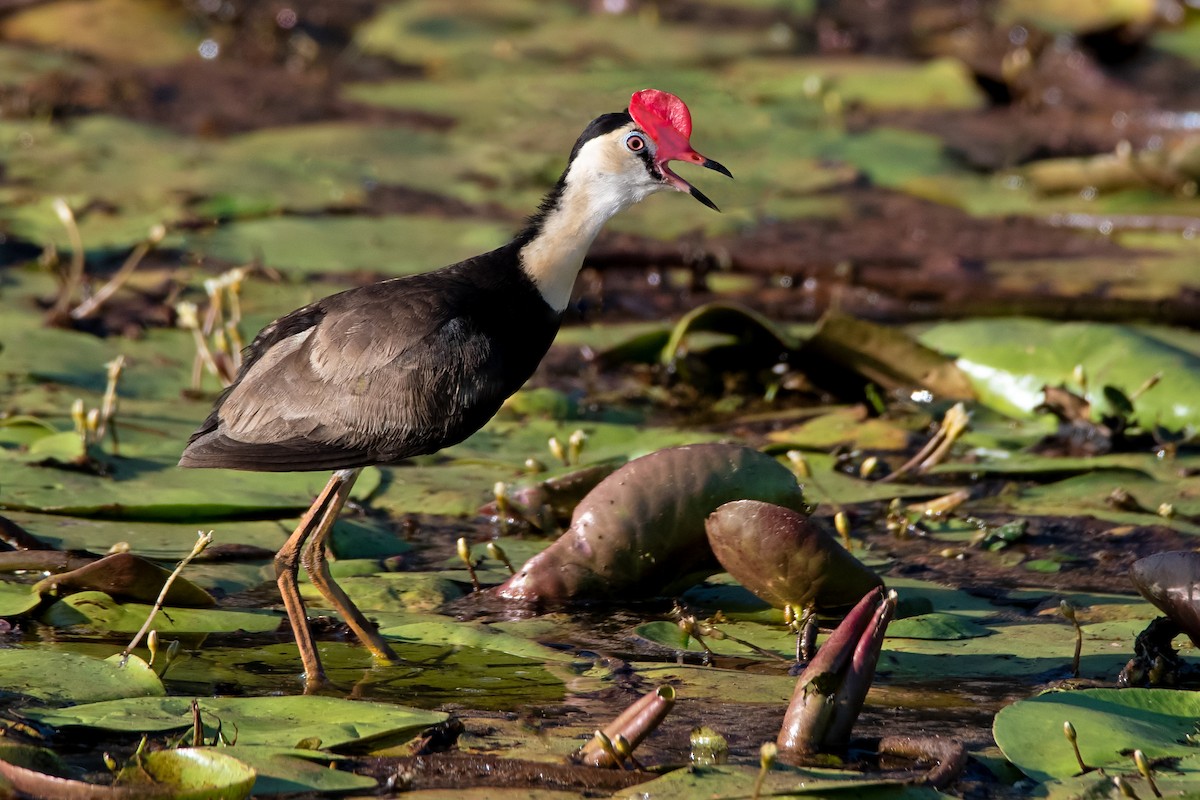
(665, 118)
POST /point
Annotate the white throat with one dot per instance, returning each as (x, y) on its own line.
(600, 182)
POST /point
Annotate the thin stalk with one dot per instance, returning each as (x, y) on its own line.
(203, 540)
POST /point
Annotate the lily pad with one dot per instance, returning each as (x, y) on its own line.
(17, 598)
(53, 676)
(1010, 360)
(286, 770)
(101, 612)
(469, 634)
(734, 781)
(937, 625)
(275, 721)
(393, 245)
(180, 774)
(1109, 724)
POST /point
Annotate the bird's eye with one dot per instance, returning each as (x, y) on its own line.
(635, 142)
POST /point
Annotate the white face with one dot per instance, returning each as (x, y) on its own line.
(608, 174)
(615, 170)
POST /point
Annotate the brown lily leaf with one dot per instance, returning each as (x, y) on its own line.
(844, 354)
(129, 576)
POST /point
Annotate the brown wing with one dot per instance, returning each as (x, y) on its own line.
(372, 375)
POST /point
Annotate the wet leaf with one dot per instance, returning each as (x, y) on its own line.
(752, 330)
(847, 427)
(183, 774)
(284, 770)
(17, 598)
(784, 559)
(128, 576)
(191, 773)
(101, 612)
(392, 591)
(781, 781)
(936, 625)
(844, 353)
(640, 531)
(121, 30)
(275, 721)
(1071, 16)
(483, 637)
(872, 82)
(1109, 723)
(313, 245)
(1009, 361)
(57, 677)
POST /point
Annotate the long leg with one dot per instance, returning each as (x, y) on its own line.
(316, 564)
(287, 564)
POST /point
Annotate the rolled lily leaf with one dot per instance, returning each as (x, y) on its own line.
(845, 354)
(753, 330)
(640, 532)
(779, 555)
(1171, 581)
(830, 692)
(128, 576)
(634, 724)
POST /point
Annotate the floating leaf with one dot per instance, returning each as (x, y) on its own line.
(936, 625)
(17, 598)
(53, 676)
(484, 637)
(845, 353)
(780, 781)
(128, 576)
(306, 245)
(286, 770)
(180, 774)
(101, 612)
(1010, 360)
(1109, 724)
(275, 721)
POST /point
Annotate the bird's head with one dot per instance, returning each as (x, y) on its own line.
(625, 155)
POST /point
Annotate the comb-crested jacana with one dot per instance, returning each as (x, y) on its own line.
(405, 367)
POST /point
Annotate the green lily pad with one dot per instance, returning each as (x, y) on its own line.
(392, 591)
(937, 625)
(121, 30)
(286, 770)
(101, 612)
(1010, 360)
(275, 721)
(1109, 724)
(872, 82)
(57, 677)
(157, 491)
(191, 773)
(430, 674)
(180, 774)
(308, 245)
(483, 637)
(17, 598)
(780, 781)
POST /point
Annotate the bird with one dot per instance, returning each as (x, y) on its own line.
(408, 366)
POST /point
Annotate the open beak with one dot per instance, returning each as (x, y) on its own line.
(668, 122)
(679, 183)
